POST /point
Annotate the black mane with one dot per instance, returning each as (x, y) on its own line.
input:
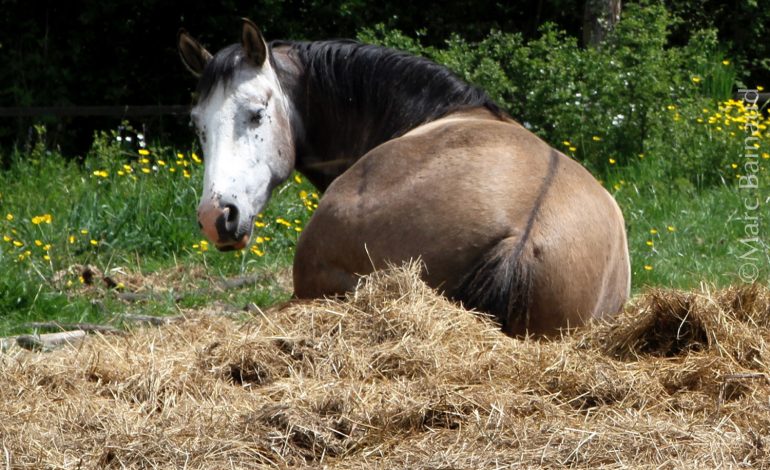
(353, 97)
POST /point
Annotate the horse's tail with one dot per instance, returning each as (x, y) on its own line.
(500, 284)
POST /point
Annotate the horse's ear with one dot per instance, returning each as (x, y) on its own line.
(194, 56)
(253, 43)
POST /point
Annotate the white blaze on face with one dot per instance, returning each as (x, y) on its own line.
(244, 130)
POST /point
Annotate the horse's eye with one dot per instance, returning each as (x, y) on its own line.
(255, 118)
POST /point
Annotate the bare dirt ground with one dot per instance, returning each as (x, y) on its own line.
(395, 376)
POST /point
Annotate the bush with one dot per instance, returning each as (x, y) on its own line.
(605, 106)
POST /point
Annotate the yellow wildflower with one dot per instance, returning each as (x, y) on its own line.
(596, 138)
(39, 219)
(653, 231)
(297, 178)
(9, 217)
(144, 152)
(647, 267)
(196, 158)
(695, 79)
(612, 161)
(726, 62)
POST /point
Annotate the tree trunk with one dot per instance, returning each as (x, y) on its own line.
(599, 18)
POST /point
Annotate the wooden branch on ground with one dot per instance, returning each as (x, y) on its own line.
(87, 327)
(48, 341)
(149, 319)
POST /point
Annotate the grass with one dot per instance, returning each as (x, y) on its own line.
(127, 209)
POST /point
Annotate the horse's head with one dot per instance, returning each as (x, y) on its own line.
(242, 121)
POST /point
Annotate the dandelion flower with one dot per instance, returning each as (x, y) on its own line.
(596, 138)
(39, 219)
(196, 158)
(726, 62)
(17, 243)
(94, 242)
(647, 267)
(612, 161)
(144, 152)
(298, 178)
(9, 217)
(760, 88)
(653, 231)
(695, 79)
(649, 243)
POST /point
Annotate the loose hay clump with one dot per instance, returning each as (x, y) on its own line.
(395, 376)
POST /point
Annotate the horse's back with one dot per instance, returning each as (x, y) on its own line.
(474, 197)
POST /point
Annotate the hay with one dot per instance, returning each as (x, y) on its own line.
(395, 376)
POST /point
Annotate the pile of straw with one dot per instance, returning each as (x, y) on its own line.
(395, 376)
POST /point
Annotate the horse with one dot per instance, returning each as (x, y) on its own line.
(413, 163)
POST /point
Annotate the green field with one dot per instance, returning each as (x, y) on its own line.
(128, 214)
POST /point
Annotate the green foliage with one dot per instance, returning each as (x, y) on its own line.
(605, 106)
(126, 205)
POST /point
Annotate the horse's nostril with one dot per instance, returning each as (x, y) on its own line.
(231, 218)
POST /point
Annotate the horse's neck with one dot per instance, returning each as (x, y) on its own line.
(336, 119)
(327, 142)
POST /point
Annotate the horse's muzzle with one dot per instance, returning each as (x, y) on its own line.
(221, 223)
